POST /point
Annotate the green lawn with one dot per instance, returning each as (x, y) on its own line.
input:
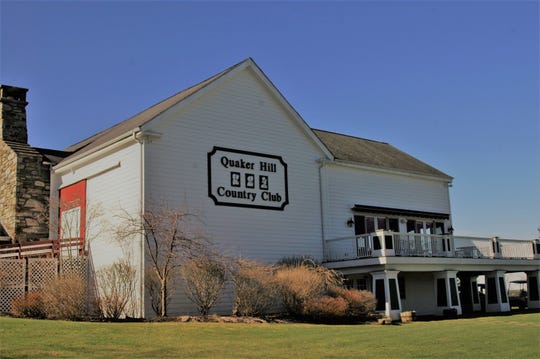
(516, 336)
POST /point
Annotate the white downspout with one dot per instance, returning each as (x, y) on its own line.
(142, 136)
(322, 202)
(448, 185)
(54, 204)
(451, 246)
(141, 141)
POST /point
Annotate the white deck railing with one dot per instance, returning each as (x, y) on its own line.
(384, 243)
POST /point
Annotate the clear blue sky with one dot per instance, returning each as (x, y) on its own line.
(455, 84)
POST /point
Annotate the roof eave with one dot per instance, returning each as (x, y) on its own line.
(442, 178)
(128, 136)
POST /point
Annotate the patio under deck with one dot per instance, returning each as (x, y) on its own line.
(433, 265)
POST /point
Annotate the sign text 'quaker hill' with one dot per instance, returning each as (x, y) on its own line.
(247, 179)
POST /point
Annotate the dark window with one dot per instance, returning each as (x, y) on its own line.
(379, 294)
(376, 243)
(428, 228)
(453, 292)
(370, 224)
(491, 291)
(401, 284)
(533, 290)
(410, 226)
(394, 301)
(393, 224)
(362, 284)
(502, 289)
(441, 293)
(359, 225)
(439, 227)
(389, 242)
(381, 223)
(474, 287)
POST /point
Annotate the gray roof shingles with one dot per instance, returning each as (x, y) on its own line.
(375, 154)
(343, 147)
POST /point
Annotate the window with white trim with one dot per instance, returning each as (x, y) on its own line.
(71, 223)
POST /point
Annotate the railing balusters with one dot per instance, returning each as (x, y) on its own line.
(424, 245)
(45, 248)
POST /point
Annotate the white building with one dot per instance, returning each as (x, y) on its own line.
(268, 186)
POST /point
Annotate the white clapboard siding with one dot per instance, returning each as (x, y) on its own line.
(169, 167)
(345, 186)
(112, 191)
(240, 114)
(420, 293)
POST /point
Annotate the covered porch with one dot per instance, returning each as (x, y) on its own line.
(438, 286)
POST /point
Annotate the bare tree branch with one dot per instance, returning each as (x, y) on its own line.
(172, 237)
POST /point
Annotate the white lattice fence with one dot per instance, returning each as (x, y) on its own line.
(74, 266)
(41, 271)
(12, 282)
(33, 274)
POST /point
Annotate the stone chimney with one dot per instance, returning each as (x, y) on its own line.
(13, 114)
(24, 177)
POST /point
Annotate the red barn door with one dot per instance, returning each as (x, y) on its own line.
(73, 213)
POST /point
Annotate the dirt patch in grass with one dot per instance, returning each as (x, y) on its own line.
(221, 319)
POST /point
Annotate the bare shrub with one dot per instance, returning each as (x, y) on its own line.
(302, 283)
(360, 303)
(171, 238)
(153, 287)
(116, 290)
(29, 305)
(326, 308)
(204, 278)
(65, 298)
(255, 288)
(296, 261)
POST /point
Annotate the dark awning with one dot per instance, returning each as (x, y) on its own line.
(399, 212)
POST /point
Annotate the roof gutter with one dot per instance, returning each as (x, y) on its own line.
(446, 179)
(99, 151)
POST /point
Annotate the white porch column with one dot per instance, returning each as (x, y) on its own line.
(385, 247)
(496, 294)
(496, 247)
(470, 296)
(477, 306)
(447, 292)
(386, 290)
(536, 248)
(533, 286)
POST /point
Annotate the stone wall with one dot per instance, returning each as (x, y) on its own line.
(8, 188)
(25, 189)
(33, 190)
